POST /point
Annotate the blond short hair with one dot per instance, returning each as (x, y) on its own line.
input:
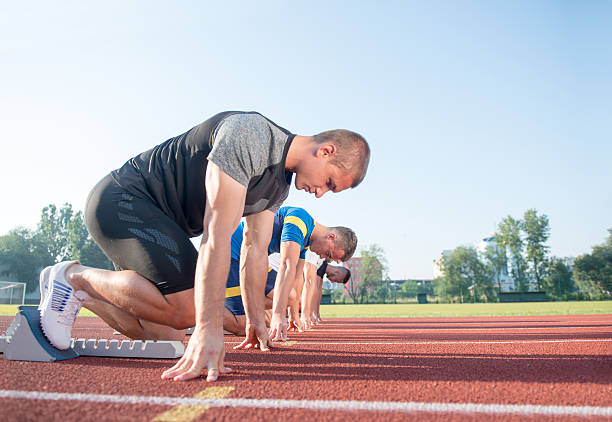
(353, 152)
(346, 240)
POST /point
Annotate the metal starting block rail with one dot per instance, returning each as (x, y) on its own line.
(225, 332)
(24, 340)
(147, 349)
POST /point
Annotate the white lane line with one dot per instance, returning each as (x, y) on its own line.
(437, 330)
(415, 321)
(453, 342)
(333, 405)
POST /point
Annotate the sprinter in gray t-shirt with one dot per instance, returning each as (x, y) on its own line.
(203, 181)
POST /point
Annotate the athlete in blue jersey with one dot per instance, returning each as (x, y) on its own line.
(299, 230)
(294, 231)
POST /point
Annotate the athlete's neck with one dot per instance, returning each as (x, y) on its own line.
(299, 148)
(319, 231)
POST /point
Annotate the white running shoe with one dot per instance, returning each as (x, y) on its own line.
(43, 283)
(60, 307)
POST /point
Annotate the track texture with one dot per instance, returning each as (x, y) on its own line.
(521, 362)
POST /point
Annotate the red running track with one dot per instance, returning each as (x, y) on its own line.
(497, 368)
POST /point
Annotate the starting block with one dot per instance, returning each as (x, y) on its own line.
(147, 349)
(24, 340)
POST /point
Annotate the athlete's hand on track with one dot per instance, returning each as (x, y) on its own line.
(278, 328)
(296, 325)
(205, 350)
(306, 322)
(256, 336)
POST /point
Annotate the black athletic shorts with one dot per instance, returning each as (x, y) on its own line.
(136, 235)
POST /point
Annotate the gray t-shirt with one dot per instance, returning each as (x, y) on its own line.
(246, 145)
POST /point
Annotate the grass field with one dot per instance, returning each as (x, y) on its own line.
(466, 309)
(440, 310)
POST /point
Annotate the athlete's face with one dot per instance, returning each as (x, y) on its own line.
(335, 274)
(326, 248)
(317, 175)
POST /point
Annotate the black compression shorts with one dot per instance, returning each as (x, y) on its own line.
(136, 235)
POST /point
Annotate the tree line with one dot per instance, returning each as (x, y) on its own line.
(374, 285)
(519, 253)
(60, 235)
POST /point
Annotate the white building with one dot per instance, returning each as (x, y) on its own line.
(503, 280)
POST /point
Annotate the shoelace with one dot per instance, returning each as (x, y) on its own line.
(70, 312)
(65, 303)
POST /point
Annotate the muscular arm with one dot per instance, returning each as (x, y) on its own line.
(253, 274)
(224, 206)
(290, 253)
(294, 297)
(310, 285)
(317, 300)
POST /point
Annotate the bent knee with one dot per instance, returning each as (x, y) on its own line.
(181, 310)
(160, 332)
(182, 320)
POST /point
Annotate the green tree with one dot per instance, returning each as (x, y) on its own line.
(337, 296)
(76, 236)
(593, 272)
(61, 235)
(91, 255)
(466, 277)
(22, 256)
(537, 231)
(409, 289)
(373, 270)
(497, 259)
(382, 293)
(353, 290)
(64, 233)
(53, 231)
(559, 281)
(509, 237)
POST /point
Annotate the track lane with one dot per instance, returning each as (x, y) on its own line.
(321, 367)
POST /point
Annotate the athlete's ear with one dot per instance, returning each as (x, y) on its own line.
(327, 150)
(332, 235)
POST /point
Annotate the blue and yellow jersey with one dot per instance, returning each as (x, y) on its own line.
(291, 224)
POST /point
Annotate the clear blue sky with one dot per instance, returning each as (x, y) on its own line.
(474, 110)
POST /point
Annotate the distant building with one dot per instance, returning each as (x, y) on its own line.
(503, 281)
(354, 266)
